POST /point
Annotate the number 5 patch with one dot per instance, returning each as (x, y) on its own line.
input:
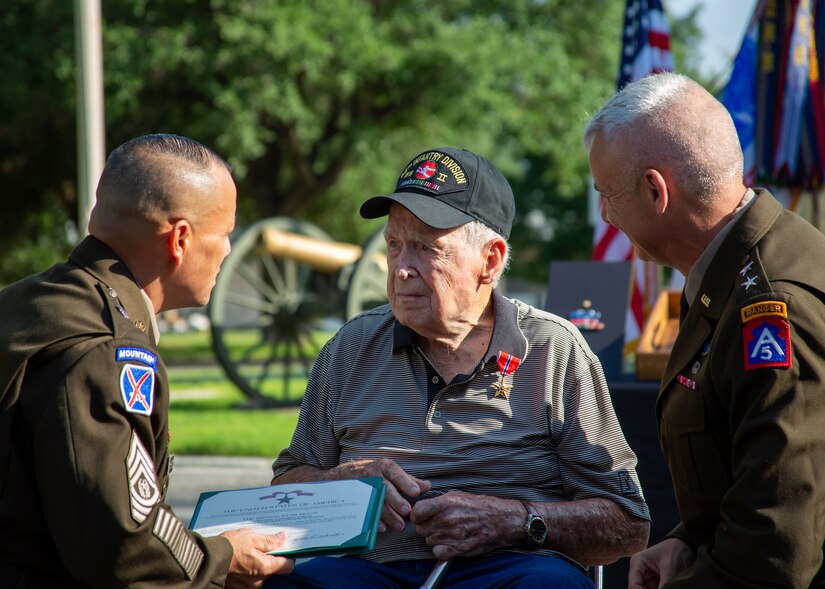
(767, 343)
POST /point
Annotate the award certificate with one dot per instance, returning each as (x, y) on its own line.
(324, 517)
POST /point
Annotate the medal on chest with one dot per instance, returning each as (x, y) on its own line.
(507, 364)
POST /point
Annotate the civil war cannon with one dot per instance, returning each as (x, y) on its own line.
(280, 294)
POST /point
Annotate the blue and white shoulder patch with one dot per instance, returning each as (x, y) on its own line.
(123, 354)
(137, 387)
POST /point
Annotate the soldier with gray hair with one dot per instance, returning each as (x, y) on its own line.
(742, 400)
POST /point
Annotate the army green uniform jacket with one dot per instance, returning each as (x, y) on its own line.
(742, 408)
(83, 437)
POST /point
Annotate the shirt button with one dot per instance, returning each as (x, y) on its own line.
(436, 413)
(435, 379)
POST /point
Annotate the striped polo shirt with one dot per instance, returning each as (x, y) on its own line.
(554, 438)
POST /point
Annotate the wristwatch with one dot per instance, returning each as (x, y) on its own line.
(535, 529)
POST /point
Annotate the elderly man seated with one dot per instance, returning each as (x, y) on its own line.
(489, 420)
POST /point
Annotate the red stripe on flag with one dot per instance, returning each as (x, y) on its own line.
(600, 249)
(658, 40)
(637, 305)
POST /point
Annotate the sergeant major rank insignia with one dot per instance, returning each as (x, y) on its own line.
(144, 491)
(766, 335)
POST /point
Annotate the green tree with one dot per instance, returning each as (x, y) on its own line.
(37, 135)
(318, 104)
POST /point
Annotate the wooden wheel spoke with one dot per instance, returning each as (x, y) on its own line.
(253, 278)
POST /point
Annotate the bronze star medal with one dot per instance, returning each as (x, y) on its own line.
(501, 389)
(507, 364)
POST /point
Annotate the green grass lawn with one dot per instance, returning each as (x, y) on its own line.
(205, 418)
(192, 347)
(204, 413)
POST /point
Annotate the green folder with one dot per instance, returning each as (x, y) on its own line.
(267, 508)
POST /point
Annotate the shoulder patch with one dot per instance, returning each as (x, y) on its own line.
(137, 387)
(144, 491)
(767, 342)
(764, 309)
(136, 354)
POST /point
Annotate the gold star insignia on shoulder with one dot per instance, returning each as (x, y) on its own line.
(501, 389)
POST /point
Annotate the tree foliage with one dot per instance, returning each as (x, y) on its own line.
(319, 104)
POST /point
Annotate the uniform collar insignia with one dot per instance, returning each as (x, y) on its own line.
(749, 282)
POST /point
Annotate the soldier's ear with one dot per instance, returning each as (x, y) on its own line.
(179, 240)
(656, 189)
(494, 253)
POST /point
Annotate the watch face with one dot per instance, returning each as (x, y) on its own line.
(536, 530)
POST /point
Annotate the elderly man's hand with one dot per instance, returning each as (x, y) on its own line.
(251, 564)
(463, 524)
(399, 485)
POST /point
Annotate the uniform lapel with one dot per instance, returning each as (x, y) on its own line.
(119, 286)
(693, 333)
(717, 285)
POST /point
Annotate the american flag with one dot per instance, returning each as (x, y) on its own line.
(645, 50)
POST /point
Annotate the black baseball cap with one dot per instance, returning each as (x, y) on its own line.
(447, 187)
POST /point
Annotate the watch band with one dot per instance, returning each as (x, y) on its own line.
(535, 528)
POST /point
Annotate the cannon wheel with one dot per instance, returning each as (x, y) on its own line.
(367, 284)
(267, 315)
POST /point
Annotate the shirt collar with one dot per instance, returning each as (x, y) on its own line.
(152, 317)
(507, 337)
(697, 272)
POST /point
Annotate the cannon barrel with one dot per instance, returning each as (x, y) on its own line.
(321, 255)
(274, 297)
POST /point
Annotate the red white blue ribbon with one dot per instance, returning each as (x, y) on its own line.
(507, 363)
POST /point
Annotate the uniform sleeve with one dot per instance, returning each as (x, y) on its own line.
(595, 457)
(101, 493)
(774, 506)
(314, 442)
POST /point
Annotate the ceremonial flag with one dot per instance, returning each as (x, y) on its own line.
(795, 91)
(739, 97)
(645, 50)
(775, 96)
(811, 169)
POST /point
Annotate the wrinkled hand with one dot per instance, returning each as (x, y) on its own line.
(652, 568)
(399, 485)
(463, 524)
(250, 562)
